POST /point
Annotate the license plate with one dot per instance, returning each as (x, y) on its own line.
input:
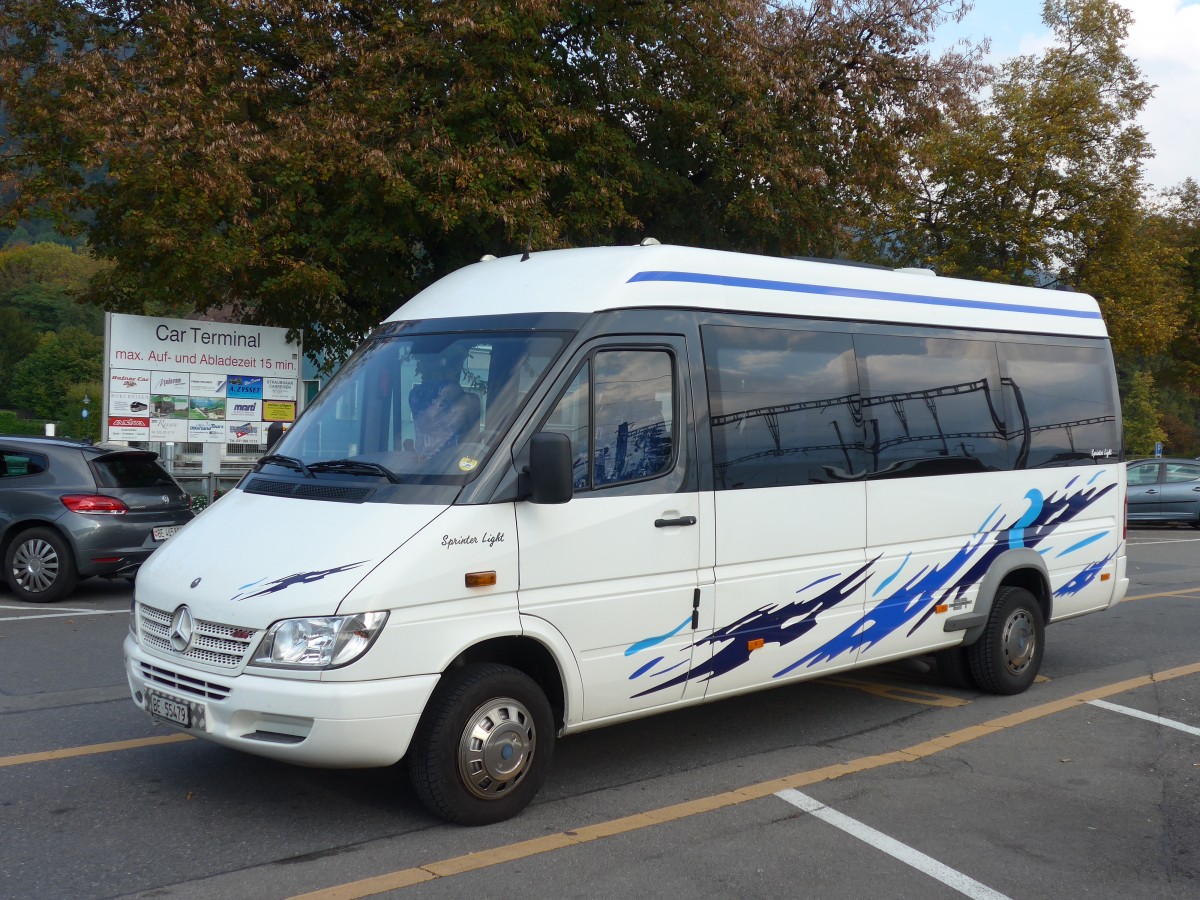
(165, 531)
(170, 709)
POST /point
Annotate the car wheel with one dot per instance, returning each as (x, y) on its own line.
(1006, 658)
(954, 667)
(39, 566)
(483, 746)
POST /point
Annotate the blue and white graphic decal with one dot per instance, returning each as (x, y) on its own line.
(774, 625)
(282, 584)
(910, 604)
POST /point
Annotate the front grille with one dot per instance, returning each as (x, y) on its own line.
(212, 642)
(183, 684)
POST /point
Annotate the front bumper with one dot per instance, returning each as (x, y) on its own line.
(310, 723)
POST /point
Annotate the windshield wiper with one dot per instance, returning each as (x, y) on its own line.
(288, 462)
(355, 467)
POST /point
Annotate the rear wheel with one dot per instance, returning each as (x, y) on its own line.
(483, 746)
(39, 566)
(1006, 659)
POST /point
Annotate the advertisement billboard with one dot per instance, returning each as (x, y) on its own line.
(197, 382)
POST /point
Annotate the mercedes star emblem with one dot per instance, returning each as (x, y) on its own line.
(181, 629)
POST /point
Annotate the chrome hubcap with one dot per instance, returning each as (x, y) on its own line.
(497, 748)
(35, 566)
(1019, 641)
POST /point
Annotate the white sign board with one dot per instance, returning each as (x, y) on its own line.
(202, 382)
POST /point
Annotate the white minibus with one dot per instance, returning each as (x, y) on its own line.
(570, 488)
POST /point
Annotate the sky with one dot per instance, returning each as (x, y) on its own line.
(1164, 40)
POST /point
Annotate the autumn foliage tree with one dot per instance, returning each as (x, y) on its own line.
(314, 163)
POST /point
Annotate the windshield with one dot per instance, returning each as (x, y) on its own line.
(419, 407)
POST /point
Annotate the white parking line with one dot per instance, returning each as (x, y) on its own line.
(1175, 541)
(950, 877)
(1138, 714)
(60, 613)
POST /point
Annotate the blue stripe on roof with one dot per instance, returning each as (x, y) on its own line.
(762, 284)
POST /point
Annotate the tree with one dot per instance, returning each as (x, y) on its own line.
(1035, 178)
(43, 379)
(43, 282)
(314, 164)
(1143, 425)
(17, 340)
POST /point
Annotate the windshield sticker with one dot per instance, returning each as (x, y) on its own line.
(282, 584)
(467, 464)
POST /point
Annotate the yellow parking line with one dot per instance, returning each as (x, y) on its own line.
(69, 752)
(1190, 593)
(525, 849)
(897, 692)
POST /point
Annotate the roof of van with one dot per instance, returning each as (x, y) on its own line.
(604, 278)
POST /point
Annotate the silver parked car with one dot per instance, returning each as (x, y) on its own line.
(70, 510)
(1164, 490)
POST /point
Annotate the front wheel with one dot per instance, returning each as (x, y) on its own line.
(39, 566)
(483, 746)
(1006, 658)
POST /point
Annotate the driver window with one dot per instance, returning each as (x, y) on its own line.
(619, 414)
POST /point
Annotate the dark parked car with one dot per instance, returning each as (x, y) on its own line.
(70, 510)
(1164, 490)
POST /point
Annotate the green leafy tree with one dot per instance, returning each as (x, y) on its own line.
(18, 339)
(313, 164)
(42, 380)
(73, 423)
(1143, 423)
(44, 282)
(1045, 176)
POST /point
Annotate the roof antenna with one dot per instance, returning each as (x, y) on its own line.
(528, 245)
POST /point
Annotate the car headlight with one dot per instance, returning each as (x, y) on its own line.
(318, 643)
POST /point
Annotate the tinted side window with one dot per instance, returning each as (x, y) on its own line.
(1060, 404)
(1179, 472)
(785, 406)
(932, 406)
(619, 412)
(14, 463)
(131, 472)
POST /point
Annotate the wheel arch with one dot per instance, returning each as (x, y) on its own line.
(15, 529)
(1023, 568)
(527, 655)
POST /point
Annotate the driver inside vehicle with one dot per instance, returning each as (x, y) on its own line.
(444, 414)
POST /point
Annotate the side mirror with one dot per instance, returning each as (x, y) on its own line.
(550, 477)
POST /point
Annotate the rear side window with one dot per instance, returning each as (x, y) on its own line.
(932, 406)
(785, 406)
(130, 472)
(1179, 472)
(1060, 404)
(12, 464)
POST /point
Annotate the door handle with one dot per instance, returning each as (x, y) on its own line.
(669, 523)
(1152, 491)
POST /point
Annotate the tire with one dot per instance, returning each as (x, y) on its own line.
(39, 566)
(954, 668)
(1006, 658)
(483, 746)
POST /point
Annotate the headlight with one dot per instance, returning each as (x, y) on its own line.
(318, 643)
(133, 615)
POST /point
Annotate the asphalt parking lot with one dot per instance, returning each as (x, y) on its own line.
(883, 780)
